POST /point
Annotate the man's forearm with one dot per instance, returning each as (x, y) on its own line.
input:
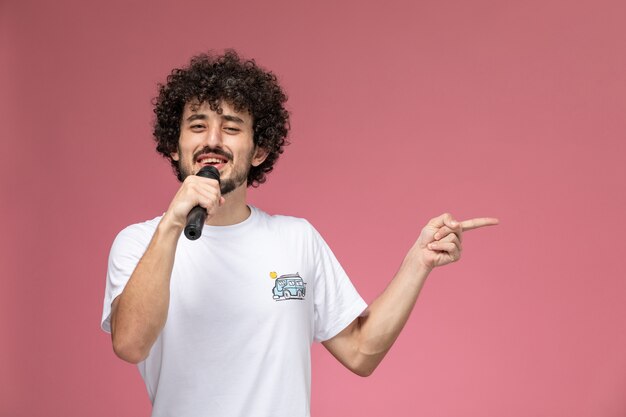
(139, 313)
(389, 312)
(363, 344)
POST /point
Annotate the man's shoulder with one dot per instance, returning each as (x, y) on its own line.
(282, 220)
(139, 232)
(142, 226)
(287, 227)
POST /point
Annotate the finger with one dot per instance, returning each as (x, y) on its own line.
(449, 221)
(212, 181)
(443, 220)
(202, 188)
(210, 206)
(195, 181)
(207, 185)
(452, 238)
(198, 179)
(195, 185)
(445, 231)
(478, 222)
(207, 197)
(450, 248)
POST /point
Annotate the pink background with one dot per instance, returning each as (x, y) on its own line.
(401, 111)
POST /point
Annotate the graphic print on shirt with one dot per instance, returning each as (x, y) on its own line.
(288, 287)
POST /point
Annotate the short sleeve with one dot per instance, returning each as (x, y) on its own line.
(126, 251)
(337, 302)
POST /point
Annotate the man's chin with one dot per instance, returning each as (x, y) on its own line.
(228, 186)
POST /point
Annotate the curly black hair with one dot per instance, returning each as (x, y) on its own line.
(241, 83)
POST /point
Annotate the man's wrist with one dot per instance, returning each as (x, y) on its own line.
(416, 262)
(169, 224)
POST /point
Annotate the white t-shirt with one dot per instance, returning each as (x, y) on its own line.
(246, 303)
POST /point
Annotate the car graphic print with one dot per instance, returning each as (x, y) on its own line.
(289, 287)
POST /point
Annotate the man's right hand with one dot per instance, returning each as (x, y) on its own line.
(140, 312)
(195, 191)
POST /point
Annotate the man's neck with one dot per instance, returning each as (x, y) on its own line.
(234, 210)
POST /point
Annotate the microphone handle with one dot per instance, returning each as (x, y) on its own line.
(197, 215)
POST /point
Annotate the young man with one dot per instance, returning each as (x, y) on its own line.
(223, 325)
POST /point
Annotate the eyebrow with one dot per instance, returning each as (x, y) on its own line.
(232, 118)
(227, 117)
(196, 116)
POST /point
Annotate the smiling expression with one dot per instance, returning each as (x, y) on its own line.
(223, 140)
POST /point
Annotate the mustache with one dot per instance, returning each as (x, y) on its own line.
(216, 151)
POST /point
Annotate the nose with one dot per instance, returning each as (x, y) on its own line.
(213, 137)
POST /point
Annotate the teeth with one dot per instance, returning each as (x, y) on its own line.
(210, 161)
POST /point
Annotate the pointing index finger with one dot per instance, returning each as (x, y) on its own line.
(479, 222)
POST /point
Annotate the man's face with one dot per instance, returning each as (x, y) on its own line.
(222, 140)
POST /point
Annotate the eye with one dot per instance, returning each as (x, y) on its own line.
(197, 127)
(231, 129)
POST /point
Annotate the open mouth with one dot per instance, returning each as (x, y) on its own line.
(217, 161)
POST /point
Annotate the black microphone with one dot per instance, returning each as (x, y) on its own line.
(197, 215)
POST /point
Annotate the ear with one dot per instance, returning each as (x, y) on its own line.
(174, 156)
(260, 154)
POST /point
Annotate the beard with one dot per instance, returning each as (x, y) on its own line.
(239, 172)
(238, 178)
